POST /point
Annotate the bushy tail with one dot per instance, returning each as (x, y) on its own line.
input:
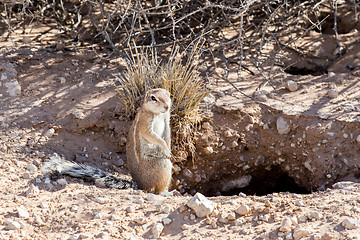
(57, 165)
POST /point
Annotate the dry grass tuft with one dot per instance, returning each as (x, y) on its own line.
(145, 72)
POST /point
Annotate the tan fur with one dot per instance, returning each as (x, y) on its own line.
(148, 148)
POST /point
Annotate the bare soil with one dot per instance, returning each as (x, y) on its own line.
(67, 105)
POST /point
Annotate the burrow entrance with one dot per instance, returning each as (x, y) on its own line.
(265, 182)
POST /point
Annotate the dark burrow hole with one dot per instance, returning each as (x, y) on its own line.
(265, 182)
(305, 71)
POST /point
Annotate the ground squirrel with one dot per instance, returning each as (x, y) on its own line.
(147, 150)
(148, 147)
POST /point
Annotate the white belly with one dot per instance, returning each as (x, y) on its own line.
(159, 125)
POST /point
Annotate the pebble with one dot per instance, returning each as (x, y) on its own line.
(22, 213)
(234, 144)
(13, 88)
(185, 227)
(302, 218)
(261, 97)
(350, 223)
(74, 237)
(201, 205)
(208, 150)
(62, 182)
(243, 210)
(182, 208)
(228, 133)
(154, 198)
(130, 209)
(333, 93)
(102, 200)
(74, 208)
(299, 233)
(78, 114)
(358, 138)
(12, 225)
(292, 86)
(286, 225)
(31, 168)
(62, 80)
(50, 132)
(166, 220)
(32, 191)
(299, 203)
(314, 215)
(98, 216)
(282, 126)
(231, 216)
(342, 185)
(157, 229)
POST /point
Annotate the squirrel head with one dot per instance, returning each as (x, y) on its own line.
(157, 101)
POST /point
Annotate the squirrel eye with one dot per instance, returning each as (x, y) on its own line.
(153, 98)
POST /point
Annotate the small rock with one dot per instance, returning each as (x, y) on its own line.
(333, 93)
(358, 138)
(78, 114)
(167, 209)
(84, 236)
(314, 215)
(62, 80)
(130, 209)
(31, 168)
(62, 182)
(231, 216)
(282, 126)
(74, 237)
(153, 198)
(185, 227)
(350, 223)
(234, 144)
(299, 233)
(166, 221)
(299, 203)
(32, 191)
(22, 213)
(13, 88)
(302, 218)
(98, 216)
(286, 225)
(182, 208)
(343, 184)
(157, 229)
(74, 208)
(331, 74)
(201, 205)
(243, 210)
(292, 86)
(102, 200)
(208, 150)
(260, 96)
(12, 225)
(228, 133)
(49, 133)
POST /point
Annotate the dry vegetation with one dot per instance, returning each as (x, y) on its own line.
(237, 33)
